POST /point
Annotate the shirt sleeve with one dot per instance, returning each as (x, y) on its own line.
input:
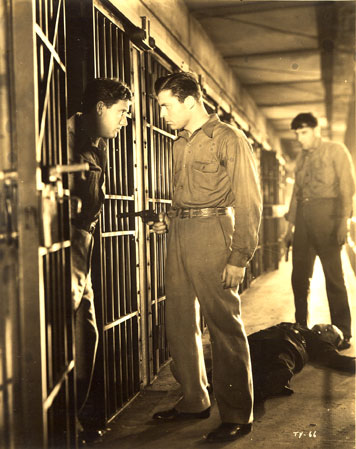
(241, 169)
(292, 211)
(345, 173)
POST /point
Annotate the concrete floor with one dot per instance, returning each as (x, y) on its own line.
(320, 413)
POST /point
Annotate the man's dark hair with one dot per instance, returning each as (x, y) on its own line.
(107, 90)
(182, 85)
(304, 120)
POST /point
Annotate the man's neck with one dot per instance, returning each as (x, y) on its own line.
(88, 125)
(197, 121)
(314, 145)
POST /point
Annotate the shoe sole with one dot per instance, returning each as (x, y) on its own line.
(232, 438)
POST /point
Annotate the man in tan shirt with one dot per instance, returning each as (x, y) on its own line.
(213, 233)
(320, 206)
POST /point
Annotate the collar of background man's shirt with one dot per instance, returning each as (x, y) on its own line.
(315, 146)
(208, 127)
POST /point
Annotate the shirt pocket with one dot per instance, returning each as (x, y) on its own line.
(323, 172)
(206, 167)
(206, 176)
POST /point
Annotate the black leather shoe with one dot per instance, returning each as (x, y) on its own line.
(345, 344)
(87, 436)
(174, 414)
(228, 432)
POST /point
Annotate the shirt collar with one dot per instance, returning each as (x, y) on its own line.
(315, 147)
(208, 127)
(83, 139)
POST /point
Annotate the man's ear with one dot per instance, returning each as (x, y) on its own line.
(189, 101)
(99, 107)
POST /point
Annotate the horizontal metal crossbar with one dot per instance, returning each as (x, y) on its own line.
(120, 320)
(51, 397)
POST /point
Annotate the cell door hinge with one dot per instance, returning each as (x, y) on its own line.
(141, 36)
(8, 208)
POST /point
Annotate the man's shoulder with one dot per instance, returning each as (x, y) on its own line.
(71, 125)
(332, 145)
(71, 135)
(225, 130)
(72, 121)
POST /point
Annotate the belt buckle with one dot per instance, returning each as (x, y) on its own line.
(183, 213)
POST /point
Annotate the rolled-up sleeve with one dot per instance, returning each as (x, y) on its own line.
(345, 173)
(243, 174)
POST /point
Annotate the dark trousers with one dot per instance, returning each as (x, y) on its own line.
(273, 366)
(315, 235)
(86, 332)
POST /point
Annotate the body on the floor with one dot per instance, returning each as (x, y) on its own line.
(281, 351)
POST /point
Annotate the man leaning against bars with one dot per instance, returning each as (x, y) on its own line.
(105, 105)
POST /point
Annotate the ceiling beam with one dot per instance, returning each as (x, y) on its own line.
(289, 103)
(273, 54)
(343, 99)
(203, 11)
(283, 83)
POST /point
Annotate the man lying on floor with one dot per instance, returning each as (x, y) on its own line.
(280, 351)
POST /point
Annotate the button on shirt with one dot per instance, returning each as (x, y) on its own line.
(87, 186)
(215, 167)
(325, 171)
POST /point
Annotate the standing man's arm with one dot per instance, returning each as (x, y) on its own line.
(290, 217)
(241, 169)
(346, 175)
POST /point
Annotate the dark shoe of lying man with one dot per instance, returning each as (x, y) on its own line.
(174, 414)
(228, 432)
(345, 344)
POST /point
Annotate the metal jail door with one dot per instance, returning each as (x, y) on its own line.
(128, 260)
(116, 253)
(158, 143)
(44, 364)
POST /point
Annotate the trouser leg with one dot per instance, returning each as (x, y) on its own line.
(204, 246)
(336, 291)
(85, 328)
(303, 265)
(323, 222)
(86, 343)
(279, 371)
(183, 328)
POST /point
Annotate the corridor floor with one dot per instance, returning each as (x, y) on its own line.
(320, 413)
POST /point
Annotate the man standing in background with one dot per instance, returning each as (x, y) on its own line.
(213, 233)
(105, 105)
(320, 207)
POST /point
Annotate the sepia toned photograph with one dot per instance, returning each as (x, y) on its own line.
(177, 224)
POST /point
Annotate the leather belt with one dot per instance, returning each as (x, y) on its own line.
(204, 212)
(306, 200)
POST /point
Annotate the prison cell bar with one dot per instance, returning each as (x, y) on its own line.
(118, 258)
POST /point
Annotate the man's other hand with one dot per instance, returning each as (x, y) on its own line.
(341, 233)
(288, 236)
(232, 276)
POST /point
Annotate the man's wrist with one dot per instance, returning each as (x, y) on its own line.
(237, 259)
